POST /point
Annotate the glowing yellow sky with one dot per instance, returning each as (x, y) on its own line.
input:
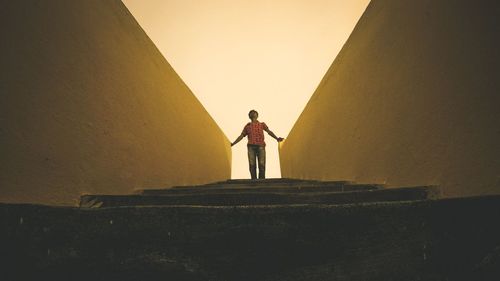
(237, 55)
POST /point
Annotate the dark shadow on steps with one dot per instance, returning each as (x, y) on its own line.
(263, 192)
(424, 239)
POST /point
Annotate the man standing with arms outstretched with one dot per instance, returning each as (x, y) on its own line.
(256, 145)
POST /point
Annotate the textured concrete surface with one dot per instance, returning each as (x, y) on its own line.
(89, 105)
(267, 185)
(412, 99)
(262, 192)
(453, 239)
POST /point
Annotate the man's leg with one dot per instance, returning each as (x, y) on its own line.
(251, 162)
(262, 162)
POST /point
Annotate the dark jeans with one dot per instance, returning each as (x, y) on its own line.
(257, 152)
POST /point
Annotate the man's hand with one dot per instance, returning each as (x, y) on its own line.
(238, 139)
(273, 135)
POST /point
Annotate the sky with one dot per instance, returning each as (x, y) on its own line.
(238, 55)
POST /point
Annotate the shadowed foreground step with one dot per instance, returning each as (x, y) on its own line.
(453, 239)
(242, 198)
(268, 185)
(262, 192)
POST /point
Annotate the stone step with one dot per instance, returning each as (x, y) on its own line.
(259, 188)
(264, 182)
(244, 198)
(432, 240)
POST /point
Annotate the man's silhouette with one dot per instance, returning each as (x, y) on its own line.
(256, 145)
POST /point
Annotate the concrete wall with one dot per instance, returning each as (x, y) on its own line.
(413, 98)
(89, 105)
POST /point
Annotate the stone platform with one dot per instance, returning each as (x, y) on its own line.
(262, 192)
(420, 239)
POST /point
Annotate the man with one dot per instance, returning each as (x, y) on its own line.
(256, 145)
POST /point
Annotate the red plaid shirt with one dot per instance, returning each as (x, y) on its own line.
(255, 132)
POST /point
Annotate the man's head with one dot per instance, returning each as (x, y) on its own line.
(253, 114)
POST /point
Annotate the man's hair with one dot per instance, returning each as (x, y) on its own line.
(249, 113)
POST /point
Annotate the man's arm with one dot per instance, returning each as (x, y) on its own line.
(238, 139)
(273, 135)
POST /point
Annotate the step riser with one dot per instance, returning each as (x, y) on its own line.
(227, 184)
(230, 199)
(258, 189)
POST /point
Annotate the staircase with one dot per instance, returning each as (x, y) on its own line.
(263, 192)
(273, 229)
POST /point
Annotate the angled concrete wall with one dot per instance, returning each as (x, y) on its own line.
(89, 105)
(413, 98)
